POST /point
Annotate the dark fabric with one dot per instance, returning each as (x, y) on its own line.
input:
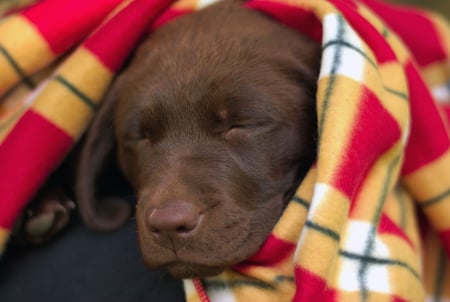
(84, 266)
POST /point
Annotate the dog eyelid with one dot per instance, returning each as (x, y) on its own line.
(234, 132)
(242, 125)
(249, 124)
(241, 130)
(136, 136)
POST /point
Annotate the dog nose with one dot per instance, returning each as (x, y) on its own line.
(178, 219)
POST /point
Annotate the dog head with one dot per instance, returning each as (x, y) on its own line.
(214, 122)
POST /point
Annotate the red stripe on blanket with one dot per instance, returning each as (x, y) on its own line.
(371, 137)
(387, 226)
(445, 239)
(310, 287)
(114, 41)
(28, 155)
(273, 251)
(295, 17)
(381, 49)
(416, 30)
(65, 23)
(398, 299)
(446, 109)
(429, 138)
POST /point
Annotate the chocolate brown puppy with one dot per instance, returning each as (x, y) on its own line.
(213, 123)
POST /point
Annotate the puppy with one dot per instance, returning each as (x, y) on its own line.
(213, 124)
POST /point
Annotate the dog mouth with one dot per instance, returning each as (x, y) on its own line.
(216, 244)
(195, 259)
(189, 262)
(183, 264)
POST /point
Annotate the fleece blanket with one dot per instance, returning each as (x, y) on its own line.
(370, 222)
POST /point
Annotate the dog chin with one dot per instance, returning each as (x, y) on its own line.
(183, 270)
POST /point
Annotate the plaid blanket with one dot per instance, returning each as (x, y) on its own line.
(370, 222)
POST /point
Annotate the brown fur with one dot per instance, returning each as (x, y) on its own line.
(214, 122)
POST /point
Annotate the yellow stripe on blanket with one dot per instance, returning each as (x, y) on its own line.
(328, 217)
(413, 292)
(53, 104)
(90, 76)
(372, 193)
(4, 236)
(400, 207)
(191, 4)
(439, 211)
(408, 264)
(320, 8)
(291, 222)
(395, 90)
(391, 38)
(436, 74)
(436, 268)
(433, 196)
(8, 75)
(18, 100)
(19, 39)
(433, 188)
(72, 97)
(340, 120)
(263, 288)
(189, 291)
(322, 235)
(249, 294)
(314, 253)
(355, 296)
(8, 123)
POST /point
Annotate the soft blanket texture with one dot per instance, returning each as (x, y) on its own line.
(351, 232)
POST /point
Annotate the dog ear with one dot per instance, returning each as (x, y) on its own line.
(96, 156)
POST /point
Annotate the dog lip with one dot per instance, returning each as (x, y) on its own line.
(180, 268)
(182, 256)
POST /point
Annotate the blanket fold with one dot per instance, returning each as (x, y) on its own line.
(351, 232)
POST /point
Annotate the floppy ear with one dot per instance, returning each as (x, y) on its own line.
(97, 155)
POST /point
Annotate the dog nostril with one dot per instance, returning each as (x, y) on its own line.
(177, 219)
(154, 230)
(184, 229)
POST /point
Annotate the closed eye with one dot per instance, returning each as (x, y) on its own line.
(236, 132)
(245, 129)
(134, 136)
(131, 138)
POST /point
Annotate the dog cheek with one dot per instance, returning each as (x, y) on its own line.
(127, 163)
(227, 235)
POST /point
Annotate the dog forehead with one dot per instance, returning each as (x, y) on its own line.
(217, 39)
(208, 95)
(191, 79)
(196, 64)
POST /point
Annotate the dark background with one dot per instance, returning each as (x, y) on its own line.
(84, 266)
(441, 6)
